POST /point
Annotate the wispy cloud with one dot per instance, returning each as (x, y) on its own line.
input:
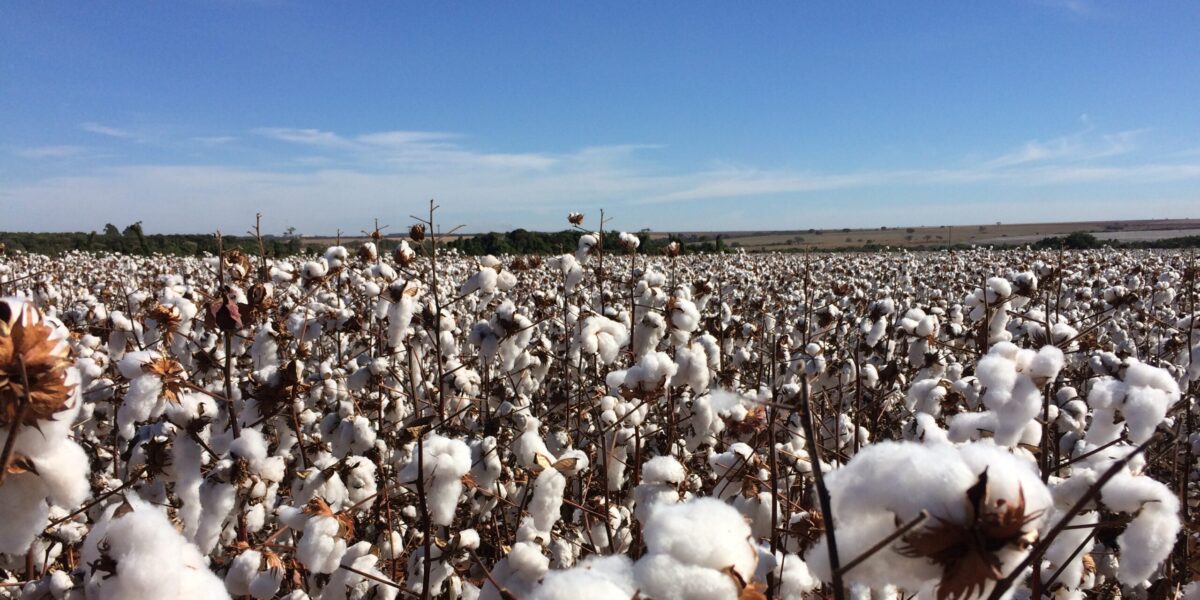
(1079, 146)
(215, 140)
(100, 129)
(49, 152)
(1082, 8)
(423, 150)
(309, 137)
(311, 176)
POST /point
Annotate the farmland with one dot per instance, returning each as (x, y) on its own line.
(422, 424)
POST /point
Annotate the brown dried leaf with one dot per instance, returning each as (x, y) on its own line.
(29, 341)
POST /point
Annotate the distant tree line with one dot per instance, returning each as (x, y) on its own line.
(1081, 240)
(132, 240)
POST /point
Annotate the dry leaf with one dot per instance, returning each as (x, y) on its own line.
(967, 552)
(25, 339)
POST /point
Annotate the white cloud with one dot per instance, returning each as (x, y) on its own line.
(49, 151)
(332, 180)
(413, 150)
(403, 138)
(215, 140)
(99, 129)
(312, 137)
(1079, 146)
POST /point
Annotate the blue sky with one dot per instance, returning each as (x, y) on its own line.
(192, 115)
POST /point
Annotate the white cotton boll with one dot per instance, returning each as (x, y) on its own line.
(876, 332)
(998, 289)
(663, 469)
(651, 372)
(629, 241)
(485, 461)
(926, 327)
(152, 559)
(1152, 391)
(662, 577)
(445, 462)
(1191, 591)
(186, 462)
(1062, 550)
(347, 583)
(587, 242)
(661, 479)
(518, 572)
(692, 368)
(242, 572)
(925, 396)
(544, 508)
(1148, 539)
(597, 578)
(684, 315)
(648, 332)
(1045, 366)
(320, 549)
(360, 481)
(867, 503)
(704, 532)
(216, 500)
(399, 312)
(795, 580)
(602, 336)
(757, 511)
(1011, 394)
(138, 404)
(483, 281)
(314, 269)
(23, 499)
(1144, 409)
(252, 446)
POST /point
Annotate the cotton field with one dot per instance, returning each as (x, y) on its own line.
(600, 425)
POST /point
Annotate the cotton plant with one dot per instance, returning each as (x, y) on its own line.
(134, 551)
(39, 402)
(413, 420)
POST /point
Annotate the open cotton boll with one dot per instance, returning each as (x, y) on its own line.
(648, 332)
(444, 463)
(545, 506)
(1011, 393)
(320, 548)
(926, 396)
(687, 547)
(663, 577)
(1151, 392)
(629, 241)
(662, 477)
(242, 572)
(587, 242)
(651, 372)
(601, 336)
(569, 268)
(1062, 551)
(1148, 539)
(518, 572)
(52, 468)
(795, 580)
(692, 367)
(141, 555)
(483, 281)
(1143, 397)
(867, 503)
(597, 578)
(344, 583)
